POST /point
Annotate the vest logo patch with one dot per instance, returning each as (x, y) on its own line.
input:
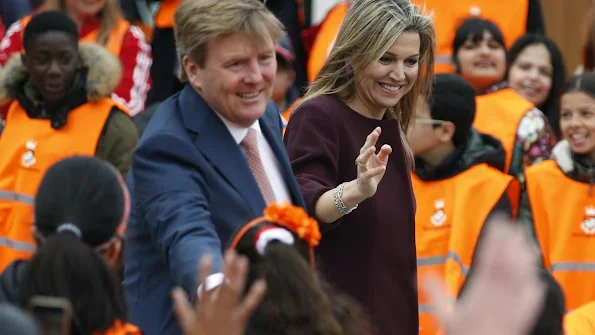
(439, 216)
(588, 224)
(28, 158)
(475, 11)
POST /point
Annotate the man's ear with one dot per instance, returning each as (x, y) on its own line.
(192, 72)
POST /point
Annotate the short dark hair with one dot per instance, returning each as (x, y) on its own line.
(49, 21)
(453, 100)
(474, 28)
(84, 191)
(550, 105)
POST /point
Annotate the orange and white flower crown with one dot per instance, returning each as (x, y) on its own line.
(290, 217)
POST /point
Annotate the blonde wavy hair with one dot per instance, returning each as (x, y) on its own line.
(110, 14)
(368, 31)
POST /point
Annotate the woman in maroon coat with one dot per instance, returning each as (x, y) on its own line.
(365, 95)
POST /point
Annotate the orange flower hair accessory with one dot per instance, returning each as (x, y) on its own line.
(296, 220)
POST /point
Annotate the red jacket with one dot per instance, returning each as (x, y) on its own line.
(135, 56)
(2, 28)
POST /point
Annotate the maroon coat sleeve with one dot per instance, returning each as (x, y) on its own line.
(313, 146)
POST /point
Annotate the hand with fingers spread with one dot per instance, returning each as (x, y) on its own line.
(371, 165)
(504, 294)
(223, 311)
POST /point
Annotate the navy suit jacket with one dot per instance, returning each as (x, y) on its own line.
(191, 189)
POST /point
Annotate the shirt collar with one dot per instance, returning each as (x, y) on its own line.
(238, 132)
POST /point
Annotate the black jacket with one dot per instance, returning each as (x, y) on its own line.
(10, 282)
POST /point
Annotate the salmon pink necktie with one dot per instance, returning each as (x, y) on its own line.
(250, 143)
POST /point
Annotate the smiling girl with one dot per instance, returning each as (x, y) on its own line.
(480, 57)
(562, 198)
(536, 72)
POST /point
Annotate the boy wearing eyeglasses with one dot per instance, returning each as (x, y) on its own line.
(458, 184)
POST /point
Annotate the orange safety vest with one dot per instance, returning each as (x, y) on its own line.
(564, 220)
(510, 16)
(499, 114)
(114, 42)
(165, 15)
(321, 48)
(450, 215)
(28, 147)
(581, 321)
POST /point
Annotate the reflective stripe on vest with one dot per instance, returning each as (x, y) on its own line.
(29, 147)
(13, 196)
(443, 59)
(6, 242)
(564, 221)
(441, 260)
(114, 41)
(573, 266)
(434, 260)
(16, 245)
(449, 218)
(499, 114)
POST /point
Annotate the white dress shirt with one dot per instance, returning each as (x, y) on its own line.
(273, 172)
(267, 156)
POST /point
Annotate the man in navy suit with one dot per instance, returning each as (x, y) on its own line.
(210, 159)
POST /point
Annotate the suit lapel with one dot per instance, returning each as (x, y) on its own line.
(274, 140)
(218, 146)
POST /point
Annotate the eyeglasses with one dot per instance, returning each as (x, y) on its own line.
(419, 120)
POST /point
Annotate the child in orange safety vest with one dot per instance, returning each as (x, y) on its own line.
(59, 102)
(458, 184)
(561, 194)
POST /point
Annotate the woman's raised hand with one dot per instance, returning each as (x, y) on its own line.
(371, 166)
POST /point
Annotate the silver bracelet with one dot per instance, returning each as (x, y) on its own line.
(339, 204)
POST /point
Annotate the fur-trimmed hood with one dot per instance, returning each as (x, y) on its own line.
(574, 166)
(103, 76)
(563, 156)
